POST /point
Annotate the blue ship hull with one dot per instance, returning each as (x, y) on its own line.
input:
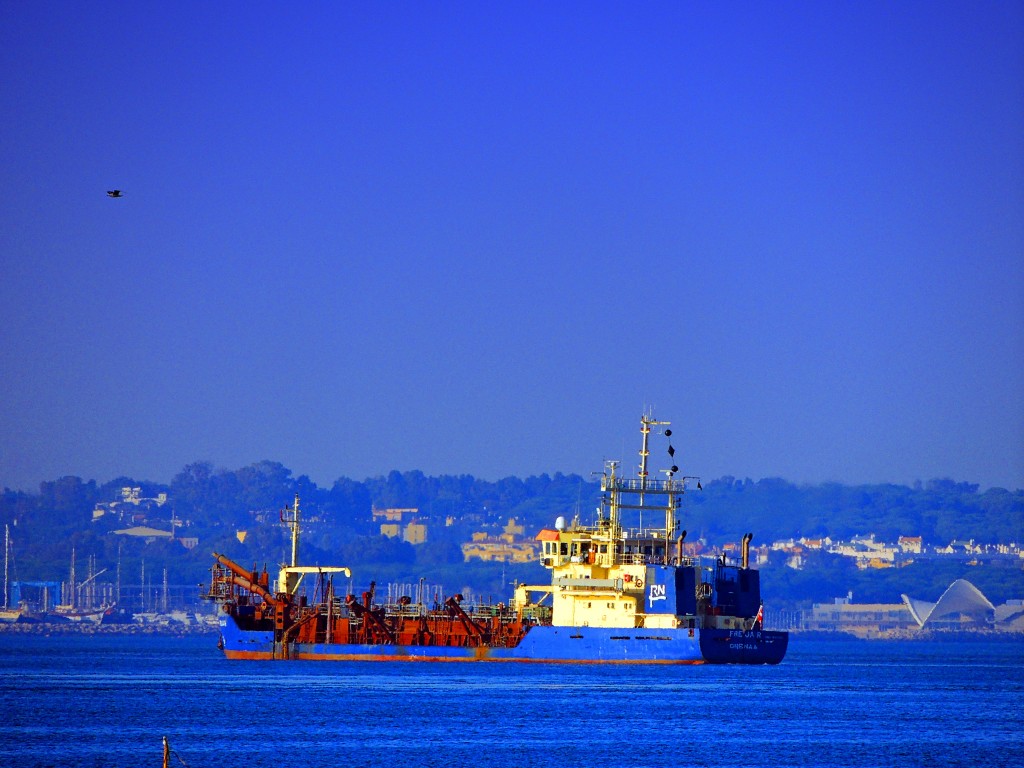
(580, 645)
(734, 646)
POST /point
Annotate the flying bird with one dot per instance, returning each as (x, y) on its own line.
(114, 193)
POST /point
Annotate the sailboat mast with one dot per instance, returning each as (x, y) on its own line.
(7, 553)
(73, 597)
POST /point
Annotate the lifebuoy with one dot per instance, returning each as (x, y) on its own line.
(639, 582)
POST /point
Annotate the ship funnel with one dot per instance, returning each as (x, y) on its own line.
(746, 549)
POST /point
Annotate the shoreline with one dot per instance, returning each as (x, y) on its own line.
(83, 628)
(918, 636)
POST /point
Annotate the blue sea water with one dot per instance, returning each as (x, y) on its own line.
(108, 700)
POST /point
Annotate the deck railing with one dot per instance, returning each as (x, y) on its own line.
(648, 485)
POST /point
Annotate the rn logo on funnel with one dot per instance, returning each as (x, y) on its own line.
(657, 592)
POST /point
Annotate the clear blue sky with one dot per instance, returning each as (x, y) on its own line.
(480, 238)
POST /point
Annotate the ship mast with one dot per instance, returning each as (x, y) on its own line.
(288, 578)
(668, 491)
(646, 422)
(643, 486)
(293, 524)
(610, 486)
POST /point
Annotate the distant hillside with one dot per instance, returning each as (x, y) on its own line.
(940, 510)
(215, 505)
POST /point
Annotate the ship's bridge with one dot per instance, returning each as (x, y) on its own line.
(595, 546)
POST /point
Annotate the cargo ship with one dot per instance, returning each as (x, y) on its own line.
(621, 591)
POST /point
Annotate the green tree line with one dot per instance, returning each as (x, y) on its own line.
(216, 504)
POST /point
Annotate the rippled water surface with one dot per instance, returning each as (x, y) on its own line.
(108, 700)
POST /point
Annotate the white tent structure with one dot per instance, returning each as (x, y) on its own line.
(961, 597)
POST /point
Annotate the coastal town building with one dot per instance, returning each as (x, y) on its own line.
(861, 619)
(510, 546)
(144, 532)
(961, 607)
(131, 507)
(868, 552)
(140, 517)
(414, 533)
(962, 603)
(910, 544)
(395, 514)
(401, 523)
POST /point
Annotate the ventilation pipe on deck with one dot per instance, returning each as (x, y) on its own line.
(746, 549)
(248, 580)
(679, 547)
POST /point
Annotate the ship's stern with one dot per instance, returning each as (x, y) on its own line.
(735, 646)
